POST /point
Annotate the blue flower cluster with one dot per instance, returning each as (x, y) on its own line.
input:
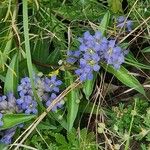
(7, 105)
(47, 89)
(94, 49)
(121, 23)
(7, 135)
(26, 103)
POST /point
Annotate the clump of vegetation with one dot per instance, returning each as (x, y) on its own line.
(74, 74)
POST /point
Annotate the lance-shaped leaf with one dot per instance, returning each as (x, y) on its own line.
(60, 117)
(11, 76)
(88, 87)
(72, 101)
(11, 120)
(104, 23)
(125, 77)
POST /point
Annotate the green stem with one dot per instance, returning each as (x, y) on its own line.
(27, 45)
(129, 132)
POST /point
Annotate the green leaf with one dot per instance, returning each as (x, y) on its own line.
(136, 64)
(87, 107)
(3, 146)
(9, 43)
(11, 76)
(4, 52)
(11, 120)
(2, 78)
(131, 60)
(143, 146)
(146, 50)
(104, 23)
(54, 57)
(71, 136)
(60, 118)
(88, 87)
(46, 126)
(115, 5)
(72, 102)
(27, 43)
(60, 139)
(41, 50)
(123, 75)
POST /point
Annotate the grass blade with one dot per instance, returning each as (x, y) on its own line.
(27, 47)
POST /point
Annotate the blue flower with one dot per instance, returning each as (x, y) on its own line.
(1, 122)
(8, 135)
(32, 108)
(84, 73)
(27, 104)
(2, 98)
(3, 103)
(25, 87)
(39, 86)
(44, 86)
(114, 54)
(90, 61)
(11, 102)
(121, 23)
(52, 85)
(50, 100)
(87, 39)
(94, 49)
(52, 97)
(73, 56)
(8, 103)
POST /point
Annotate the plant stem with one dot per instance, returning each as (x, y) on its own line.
(129, 132)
